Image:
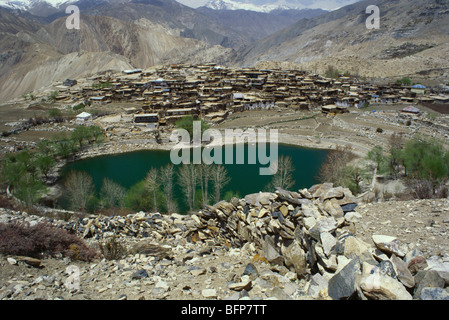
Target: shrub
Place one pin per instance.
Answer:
(186, 123)
(332, 72)
(52, 96)
(426, 159)
(427, 189)
(138, 197)
(55, 113)
(6, 203)
(406, 81)
(112, 249)
(79, 107)
(42, 240)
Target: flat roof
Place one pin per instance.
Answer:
(146, 115)
(180, 110)
(84, 115)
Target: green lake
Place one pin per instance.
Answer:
(127, 169)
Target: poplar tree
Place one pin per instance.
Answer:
(220, 179)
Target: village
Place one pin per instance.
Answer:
(163, 95)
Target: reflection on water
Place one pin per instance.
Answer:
(128, 169)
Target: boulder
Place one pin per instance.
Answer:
(350, 207)
(378, 286)
(30, 261)
(310, 210)
(139, 274)
(318, 285)
(328, 242)
(343, 284)
(152, 249)
(284, 210)
(427, 279)
(333, 193)
(390, 245)
(429, 293)
(251, 271)
(439, 265)
(403, 273)
(320, 189)
(328, 224)
(354, 247)
(270, 253)
(295, 257)
(333, 208)
(353, 217)
(260, 199)
(417, 264)
(387, 268)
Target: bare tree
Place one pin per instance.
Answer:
(204, 178)
(187, 179)
(167, 176)
(284, 176)
(220, 179)
(80, 189)
(153, 183)
(333, 168)
(112, 195)
(396, 145)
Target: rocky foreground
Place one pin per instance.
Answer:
(283, 245)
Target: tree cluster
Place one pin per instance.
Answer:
(26, 172)
(199, 184)
(337, 169)
(422, 162)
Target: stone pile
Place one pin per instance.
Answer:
(141, 225)
(306, 240)
(312, 233)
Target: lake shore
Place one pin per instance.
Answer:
(131, 145)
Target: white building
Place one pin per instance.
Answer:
(83, 118)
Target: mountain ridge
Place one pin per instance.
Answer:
(340, 38)
(270, 5)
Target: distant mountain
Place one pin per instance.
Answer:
(28, 4)
(253, 25)
(173, 17)
(236, 5)
(270, 5)
(40, 8)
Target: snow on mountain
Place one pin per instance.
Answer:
(270, 5)
(27, 4)
(235, 5)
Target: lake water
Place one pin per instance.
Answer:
(127, 169)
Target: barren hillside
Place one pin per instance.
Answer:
(412, 39)
(33, 56)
